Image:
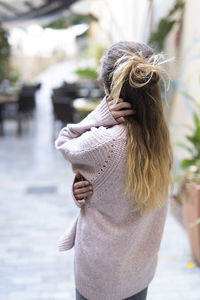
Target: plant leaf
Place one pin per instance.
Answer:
(158, 37)
(186, 163)
(87, 73)
(196, 120)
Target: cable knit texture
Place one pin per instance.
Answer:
(116, 250)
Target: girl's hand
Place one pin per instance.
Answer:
(118, 114)
(81, 188)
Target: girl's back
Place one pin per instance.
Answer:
(118, 232)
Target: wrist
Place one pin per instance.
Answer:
(107, 118)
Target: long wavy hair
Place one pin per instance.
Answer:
(132, 71)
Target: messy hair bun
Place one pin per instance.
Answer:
(130, 62)
(138, 70)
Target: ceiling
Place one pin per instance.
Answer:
(29, 10)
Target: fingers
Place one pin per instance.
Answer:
(82, 190)
(113, 101)
(120, 110)
(123, 113)
(81, 184)
(83, 195)
(81, 201)
(121, 105)
(109, 98)
(120, 120)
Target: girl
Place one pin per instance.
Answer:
(122, 151)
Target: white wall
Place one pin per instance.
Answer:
(126, 19)
(122, 20)
(189, 72)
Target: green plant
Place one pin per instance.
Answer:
(87, 73)
(4, 53)
(194, 140)
(191, 167)
(165, 25)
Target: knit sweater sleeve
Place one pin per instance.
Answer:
(78, 141)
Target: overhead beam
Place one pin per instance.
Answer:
(48, 9)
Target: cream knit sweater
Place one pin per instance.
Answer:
(116, 250)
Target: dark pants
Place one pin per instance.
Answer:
(139, 296)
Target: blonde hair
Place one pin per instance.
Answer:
(131, 71)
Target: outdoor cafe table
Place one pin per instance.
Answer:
(5, 99)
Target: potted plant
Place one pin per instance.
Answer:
(191, 208)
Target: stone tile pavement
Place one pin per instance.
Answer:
(36, 207)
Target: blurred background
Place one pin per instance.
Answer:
(50, 54)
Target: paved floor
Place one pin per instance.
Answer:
(35, 209)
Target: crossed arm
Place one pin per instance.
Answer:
(81, 187)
